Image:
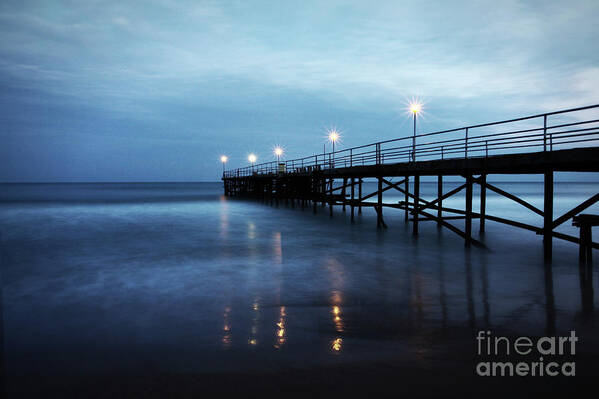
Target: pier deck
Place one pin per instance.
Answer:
(570, 144)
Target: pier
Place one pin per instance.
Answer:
(543, 144)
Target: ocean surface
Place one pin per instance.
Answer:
(140, 278)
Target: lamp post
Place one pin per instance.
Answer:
(333, 137)
(224, 160)
(252, 158)
(415, 108)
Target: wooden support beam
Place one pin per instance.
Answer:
(490, 217)
(330, 199)
(360, 196)
(483, 202)
(427, 204)
(379, 209)
(575, 240)
(448, 218)
(451, 227)
(314, 192)
(585, 250)
(323, 190)
(591, 201)
(468, 225)
(512, 223)
(406, 195)
(372, 204)
(585, 223)
(440, 197)
(389, 187)
(352, 198)
(444, 196)
(341, 187)
(585, 271)
(379, 212)
(343, 190)
(369, 196)
(396, 186)
(548, 214)
(416, 199)
(508, 195)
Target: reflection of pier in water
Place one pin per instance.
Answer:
(415, 315)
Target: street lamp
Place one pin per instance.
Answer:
(224, 160)
(415, 108)
(333, 137)
(252, 158)
(278, 152)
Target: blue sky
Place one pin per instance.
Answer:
(159, 89)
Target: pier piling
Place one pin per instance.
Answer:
(483, 202)
(440, 202)
(468, 226)
(416, 198)
(548, 215)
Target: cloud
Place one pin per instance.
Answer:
(389, 51)
(313, 62)
(122, 21)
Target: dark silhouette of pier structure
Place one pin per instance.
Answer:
(561, 141)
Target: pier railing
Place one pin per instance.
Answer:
(576, 127)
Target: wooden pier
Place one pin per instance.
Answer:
(528, 145)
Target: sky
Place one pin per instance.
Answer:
(158, 90)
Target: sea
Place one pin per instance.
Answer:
(115, 280)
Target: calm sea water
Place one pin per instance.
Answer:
(144, 278)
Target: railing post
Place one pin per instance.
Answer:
(378, 153)
(544, 132)
(466, 145)
(486, 148)
(414, 141)
(350, 157)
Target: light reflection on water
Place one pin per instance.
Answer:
(227, 334)
(253, 340)
(280, 331)
(172, 284)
